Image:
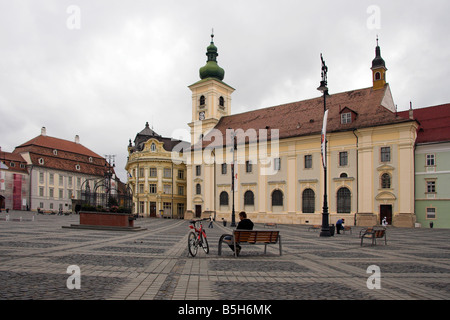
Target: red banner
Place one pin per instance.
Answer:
(17, 192)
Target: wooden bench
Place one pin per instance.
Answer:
(251, 237)
(374, 234)
(368, 229)
(315, 227)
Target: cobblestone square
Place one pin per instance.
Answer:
(154, 264)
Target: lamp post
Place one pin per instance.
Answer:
(233, 215)
(325, 232)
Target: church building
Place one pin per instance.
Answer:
(277, 174)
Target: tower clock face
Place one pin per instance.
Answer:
(201, 115)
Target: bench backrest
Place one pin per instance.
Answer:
(379, 233)
(254, 236)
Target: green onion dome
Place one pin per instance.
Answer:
(212, 69)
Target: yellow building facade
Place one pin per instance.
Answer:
(278, 173)
(158, 183)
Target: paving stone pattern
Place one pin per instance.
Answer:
(154, 264)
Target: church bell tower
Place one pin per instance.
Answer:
(211, 97)
(378, 70)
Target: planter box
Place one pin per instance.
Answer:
(109, 219)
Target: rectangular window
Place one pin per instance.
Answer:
(277, 164)
(180, 190)
(430, 160)
(198, 170)
(180, 209)
(152, 188)
(248, 166)
(346, 118)
(167, 189)
(431, 213)
(181, 174)
(153, 172)
(41, 191)
(41, 177)
(431, 186)
(61, 193)
(167, 173)
(51, 193)
(52, 178)
(224, 168)
(141, 172)
(308, 161)
(141, 188)
(385, 154)
(61, 180)
(167, 206)
(343, 158)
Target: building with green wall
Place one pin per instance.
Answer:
(432, 165)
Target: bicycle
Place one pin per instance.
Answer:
(197, 238)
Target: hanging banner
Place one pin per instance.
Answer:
(324, 139)
(2, 180)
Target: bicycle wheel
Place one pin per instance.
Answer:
(205, 244)
(192, 244)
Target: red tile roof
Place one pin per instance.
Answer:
(305, 117)
(69, 156)
(59, 144)
(434, 123)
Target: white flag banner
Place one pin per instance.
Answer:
(324, 139)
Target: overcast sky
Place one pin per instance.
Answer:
(101, 69)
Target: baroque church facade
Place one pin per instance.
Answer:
(267, 162)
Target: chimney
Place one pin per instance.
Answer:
(43, 131)
(411, 113)
(77, 139)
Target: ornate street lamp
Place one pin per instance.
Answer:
(325, 232)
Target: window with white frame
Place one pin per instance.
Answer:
(346, 118)
(431, 186)
(431, 213)
(431, 161)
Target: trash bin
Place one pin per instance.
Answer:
(431, 224)
(332, 229)
(224, 222)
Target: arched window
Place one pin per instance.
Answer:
(223, 198)
(343, 200)
(221, 102)
(202, 100)
(277, 198)
(385, 181)
(198, 189)
(153, 147)
(308, 201)
(249, 198)
(343, 175)
(377, 75)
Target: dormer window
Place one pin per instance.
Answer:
(77, 167)
(41, 161)
(55, 152)
(346, 117)
(153, 147)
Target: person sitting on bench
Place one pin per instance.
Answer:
(244, 224)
